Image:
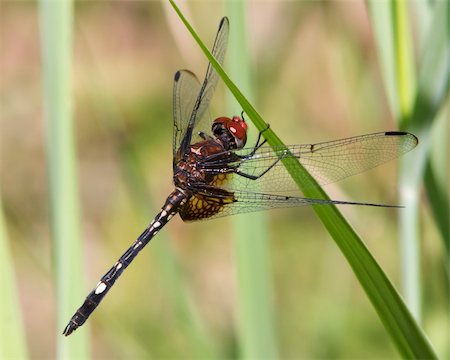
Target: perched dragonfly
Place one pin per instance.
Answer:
(215, 175)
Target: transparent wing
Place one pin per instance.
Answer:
(186, 88)
(196, 122)
(327, 162)
(201, 207)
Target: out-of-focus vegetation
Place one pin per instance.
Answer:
(317, 78)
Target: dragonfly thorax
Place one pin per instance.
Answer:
(187, 170)
(231, 133)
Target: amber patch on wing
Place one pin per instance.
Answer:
(201, 206)
(220, 180)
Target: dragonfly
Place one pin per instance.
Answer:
(216, 175)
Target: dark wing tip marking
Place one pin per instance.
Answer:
(186, 72)
(403, 133)
(395, 133)
(224, 20)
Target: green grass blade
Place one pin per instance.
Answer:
(390, 22)
(56, 44)
(410, 176)
(12, 336)
(433, 91)
(406, 334)
(251, 247)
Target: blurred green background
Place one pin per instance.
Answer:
(316, 77)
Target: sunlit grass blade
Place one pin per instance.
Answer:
(404, 59)
(410, 177)
(390, 22)
(12, 336)
(392, 37)
(406, 334)
(251, 248)
(56, 45)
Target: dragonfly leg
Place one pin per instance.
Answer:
(258, 145)
(236, 170)
(204, 136)
(256, 177)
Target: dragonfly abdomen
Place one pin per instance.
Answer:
(172, 205)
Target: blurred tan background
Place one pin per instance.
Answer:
(316, 78)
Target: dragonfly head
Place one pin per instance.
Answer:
(232, 133)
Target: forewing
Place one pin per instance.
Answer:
(186, 88)
(327, 162)
(197, 118)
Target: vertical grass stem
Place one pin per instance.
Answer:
(56, 17)
(255, 314)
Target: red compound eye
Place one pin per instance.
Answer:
(238, 128)
(235, 127)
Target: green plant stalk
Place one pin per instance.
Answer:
(393, 52)
(12, 335)
(251, 248)
(410, 176)
(404, 331)
(56, 43)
